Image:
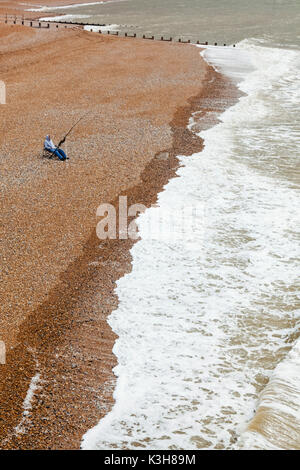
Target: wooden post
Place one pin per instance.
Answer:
(125, 35)
(179, 40)
(30, 24)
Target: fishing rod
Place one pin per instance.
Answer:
(74, 125)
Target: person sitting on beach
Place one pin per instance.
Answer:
(50, 147)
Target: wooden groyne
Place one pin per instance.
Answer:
(36, 23)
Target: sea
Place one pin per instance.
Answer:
(208, 320)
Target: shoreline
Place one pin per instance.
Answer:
(65, 340)
(59, 378)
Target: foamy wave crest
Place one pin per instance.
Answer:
(276, 424)
(63, 17)
(109, 27)
(64, 7)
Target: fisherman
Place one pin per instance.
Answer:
(50, 147)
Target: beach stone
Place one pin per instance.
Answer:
(163, 156)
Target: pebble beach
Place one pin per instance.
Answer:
(186, 335)
(58, 278)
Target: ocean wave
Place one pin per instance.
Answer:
(276, 424)
(64, 17)
(109, 27)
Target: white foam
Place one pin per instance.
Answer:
(27, 404)
(33, 386)
(95, 29)
(233, 62)
(64, 7)
(63, 17)
(202, 319)
(280, 429)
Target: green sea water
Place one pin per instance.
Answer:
(222, 21)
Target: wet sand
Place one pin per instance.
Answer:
(58, 278)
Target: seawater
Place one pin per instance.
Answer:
(208, 349)
(220, 21)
